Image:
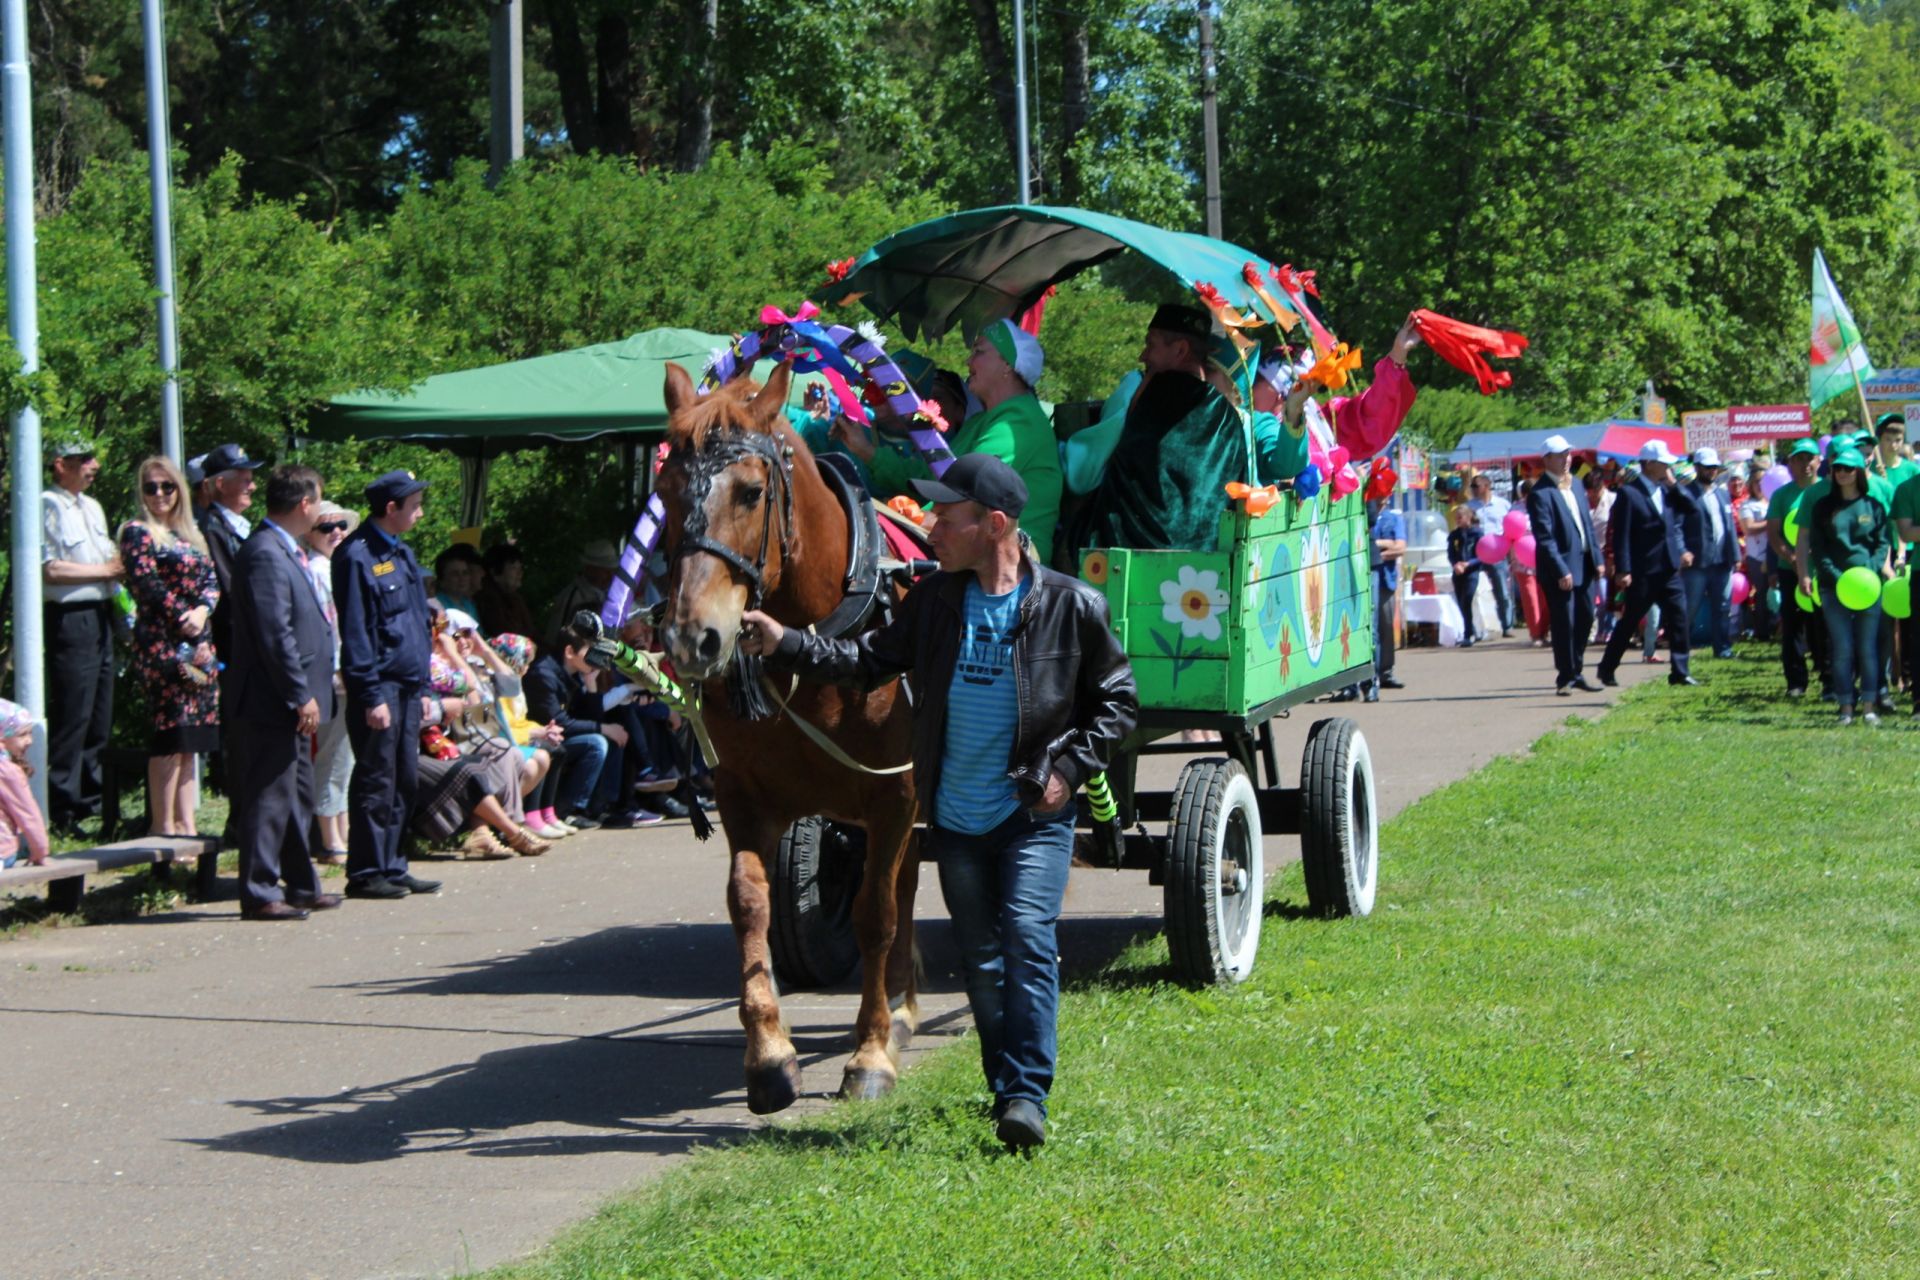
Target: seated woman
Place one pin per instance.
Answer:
(452, 793)
(1005, 363)
(540, 786)
(471, 727)
(1183, 442)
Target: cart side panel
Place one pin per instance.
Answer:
(1282, 602)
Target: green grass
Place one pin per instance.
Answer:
(1638, 1003)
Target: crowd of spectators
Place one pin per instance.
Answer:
(520, 742)
(1761, 541)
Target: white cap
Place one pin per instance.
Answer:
(1277, 374)
(1656, 451)
(1706, 457)
(459, 620)
(1555, 444)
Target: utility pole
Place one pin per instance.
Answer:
(160, 180)
(1020, 157)
(509, 126)
(1209, 118)
(23, 325)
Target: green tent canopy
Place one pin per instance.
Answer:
(612, 388)
(970, 269)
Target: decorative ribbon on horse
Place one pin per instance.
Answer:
(1461, 345)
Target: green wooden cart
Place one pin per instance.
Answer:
(1278, 613)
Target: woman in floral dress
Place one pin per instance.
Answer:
(172, 580)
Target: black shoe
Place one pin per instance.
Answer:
(1584, 685)
(1392, 682)
(414, 884)
(671, 806)
(1022, 1125)
(1371, 695)
(1345, 695)
(582, 821)
(1682, 679)
(1563, 691)
(377, 888)
(1606, 678)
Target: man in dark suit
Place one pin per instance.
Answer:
(1648, 555)
(1713, 540)
(1567, 561)
(278, 690)
(227, 473)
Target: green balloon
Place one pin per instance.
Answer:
(1790, 527)
(1897, 597)
(1802, 599)
(1858, 588)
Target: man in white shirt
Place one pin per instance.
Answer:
(80, 568)
(1490, 516)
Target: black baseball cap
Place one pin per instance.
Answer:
(228, 457)
(392, 487)
(981, 478)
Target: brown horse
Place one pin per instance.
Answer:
(751, 523)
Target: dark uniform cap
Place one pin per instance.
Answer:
(228, 457)
(981, 478)
(1190, 322)
(392, 487)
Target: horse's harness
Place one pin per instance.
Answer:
(864, 590)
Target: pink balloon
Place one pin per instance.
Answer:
(1525, 550)
(1773, 477)
(1739, 587)
(1516, 525)
(1345, 480)
(1492, 548)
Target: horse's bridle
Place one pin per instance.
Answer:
(720, 450)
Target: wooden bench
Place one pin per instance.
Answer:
(65, 874)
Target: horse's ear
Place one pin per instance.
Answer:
(773, 396)
(679, 390)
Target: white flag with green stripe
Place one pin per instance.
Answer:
(1837, 356)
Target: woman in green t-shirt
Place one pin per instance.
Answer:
(1850, 530)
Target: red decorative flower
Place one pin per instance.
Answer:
(1209, 294)
(838, 271)
(1295, 281)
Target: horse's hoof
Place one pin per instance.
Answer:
(901, 1033)
(866, 1084)
(774, 1087)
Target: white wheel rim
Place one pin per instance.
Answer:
(1239, 836)
(1363, 828)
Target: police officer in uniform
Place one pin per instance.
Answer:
(385, 627)
(79, 567)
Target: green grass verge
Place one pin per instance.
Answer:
(1639, 1003)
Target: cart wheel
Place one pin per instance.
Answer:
(1338, 829)
(815, 873)
(1215, 873)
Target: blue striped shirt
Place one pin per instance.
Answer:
(983, 709)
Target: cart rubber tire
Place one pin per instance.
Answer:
(1213, 929)
(815, 873)
(1339, 822)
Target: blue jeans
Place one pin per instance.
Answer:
(1711, 588)
(582, 759)
(1854, 637)
(1003, 889)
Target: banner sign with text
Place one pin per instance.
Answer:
(1752, 422)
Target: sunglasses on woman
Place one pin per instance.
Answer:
(154, 488)
(331, 526)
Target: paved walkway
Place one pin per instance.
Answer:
(425, 1087)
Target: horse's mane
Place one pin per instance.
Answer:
(728, 408)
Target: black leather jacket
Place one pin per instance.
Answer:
(1076, 691)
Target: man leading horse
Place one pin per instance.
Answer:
(1022, 694)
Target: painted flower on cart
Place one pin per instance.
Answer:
(1195, 601)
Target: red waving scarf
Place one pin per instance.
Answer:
(1461, 345)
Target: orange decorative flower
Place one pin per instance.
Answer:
(907, 508)
(1257, 501)
(1331, 370)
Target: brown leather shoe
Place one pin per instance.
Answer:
(318, 902)
(527, 844)
(273, 911)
